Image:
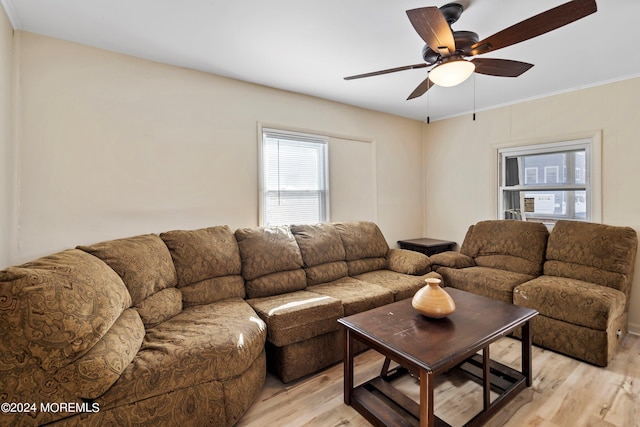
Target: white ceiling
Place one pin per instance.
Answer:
(309, 46)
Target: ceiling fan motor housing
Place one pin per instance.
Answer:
(451, 12)
(463, 40)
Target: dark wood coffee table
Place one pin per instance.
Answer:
(429, 347)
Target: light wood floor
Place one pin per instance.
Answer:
(565, 392)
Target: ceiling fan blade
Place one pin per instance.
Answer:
(390, 70)
(421, 89)
(431, 25)
(536, 25)
(500, 67)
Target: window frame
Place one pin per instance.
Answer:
(593, 148)
(292, 135)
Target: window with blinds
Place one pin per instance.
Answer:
(294, 178)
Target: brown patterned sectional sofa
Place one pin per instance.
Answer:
(578, 277)
(178, 328)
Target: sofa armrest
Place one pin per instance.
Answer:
(451, 259)
(408, 262)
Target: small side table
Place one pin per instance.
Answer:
(427, 246)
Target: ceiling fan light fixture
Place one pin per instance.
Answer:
(452, 72)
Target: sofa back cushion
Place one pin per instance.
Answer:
(56, 308)
(322, 252)
(66, 332)
(365, 247)
(596, 253)
(271, 261)
(145, 266)
(207, 263)
(510, 245)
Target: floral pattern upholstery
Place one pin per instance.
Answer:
(598, 253)
(297, 316)
(300, 287)
(490, 282)
(143, 263)
(175, 351)
(322, 252)
(356, 295)
(495, 257)
(207, 264)
(517, 246)
(573, 301)
(578, 279)
(586, 283)
(66, 330)
(408, 262)
(365, 247)
(401, 285)
(271, 261)
(156, 328)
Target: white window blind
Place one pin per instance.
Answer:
(294, 178)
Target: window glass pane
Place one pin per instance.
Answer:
(563, 204)
(294, 179)
(545, 182)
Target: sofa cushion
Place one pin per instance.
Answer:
(365, 247)
(362, 239)
(365, 265)
(297, 316)
(271, 261)
(490, 282)
(356, 296)
(266, 250)
(276, 283)
(143, 262)
(96, 371)
(596, 253)
(319, 243)
(517, 246)
(160, 306)
(328, 272)
(322, 252)
(213, 289)
(402, 285)
(207, 264)
(570, 300)
(183, 351)
(56, 308)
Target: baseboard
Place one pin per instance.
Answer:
(634, 328)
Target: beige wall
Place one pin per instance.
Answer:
(6, 116)
(460, 158)
(113, 146)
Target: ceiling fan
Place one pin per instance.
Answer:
(446, 49)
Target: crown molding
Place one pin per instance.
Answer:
(11, 14)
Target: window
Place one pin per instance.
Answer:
(294, 178)
(566, 195)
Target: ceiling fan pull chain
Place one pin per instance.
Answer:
(428, 108)
(474, 97)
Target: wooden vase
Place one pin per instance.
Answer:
(433, 301)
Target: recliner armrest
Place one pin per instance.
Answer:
(408, 262)
(451, 259)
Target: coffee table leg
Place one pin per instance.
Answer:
(427, 418)
(527, 367)
(486, 377)
(348, 367)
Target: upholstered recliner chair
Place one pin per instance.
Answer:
(583, 294)
(495, 257)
